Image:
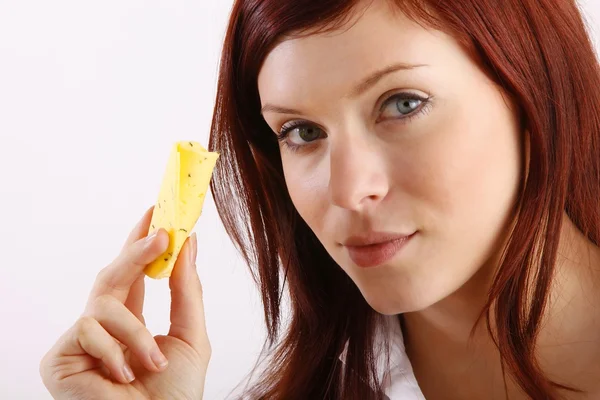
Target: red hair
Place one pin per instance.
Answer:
(539, 52)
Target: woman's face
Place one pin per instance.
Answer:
(391, 128)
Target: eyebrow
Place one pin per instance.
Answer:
(362, 87)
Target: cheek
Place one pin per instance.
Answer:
(464, 178)
(307, 184)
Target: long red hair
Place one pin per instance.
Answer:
(539, 52)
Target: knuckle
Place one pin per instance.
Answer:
(106, 278)
(53, 372)
(116, 353)
(84, 326)
(143, 338)
(105, 303)
(103, 276)
(113, 355)
(44, 370)
(140, 332)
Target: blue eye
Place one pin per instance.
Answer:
(299, 133)
(401, 105)
(304, 133)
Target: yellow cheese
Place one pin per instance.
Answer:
(180, 200)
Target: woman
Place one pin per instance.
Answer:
(422, 176)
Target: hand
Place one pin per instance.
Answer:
(109, 354)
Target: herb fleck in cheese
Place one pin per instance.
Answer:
(180, 200)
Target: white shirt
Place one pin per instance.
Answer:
(397, 377)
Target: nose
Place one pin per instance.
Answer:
(358, 177)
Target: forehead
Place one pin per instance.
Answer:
(374, 39)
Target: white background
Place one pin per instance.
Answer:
(92, 95)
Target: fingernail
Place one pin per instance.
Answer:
(159, 359)
(190, 250)
(128, 373)
(194, 251)
(151, 236)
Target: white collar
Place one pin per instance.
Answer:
(397, 377)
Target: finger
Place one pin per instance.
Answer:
(128, 330)
(87, 336)
(141, 229)
(187, 307)
(135, 299)
(117, 279)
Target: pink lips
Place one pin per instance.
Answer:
(375, 248)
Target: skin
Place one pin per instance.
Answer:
(449, 173)
(89, 360)
(448, 169)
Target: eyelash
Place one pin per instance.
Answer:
(422, 108)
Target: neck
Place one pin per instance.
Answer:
(568, 340)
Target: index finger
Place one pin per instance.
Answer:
(140, 230)
(139, 250)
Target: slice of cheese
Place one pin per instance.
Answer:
(180, 200)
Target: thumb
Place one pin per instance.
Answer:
(187, 306)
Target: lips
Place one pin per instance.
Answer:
(375, 248)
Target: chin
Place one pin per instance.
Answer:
(397, 303)
(387, 305)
